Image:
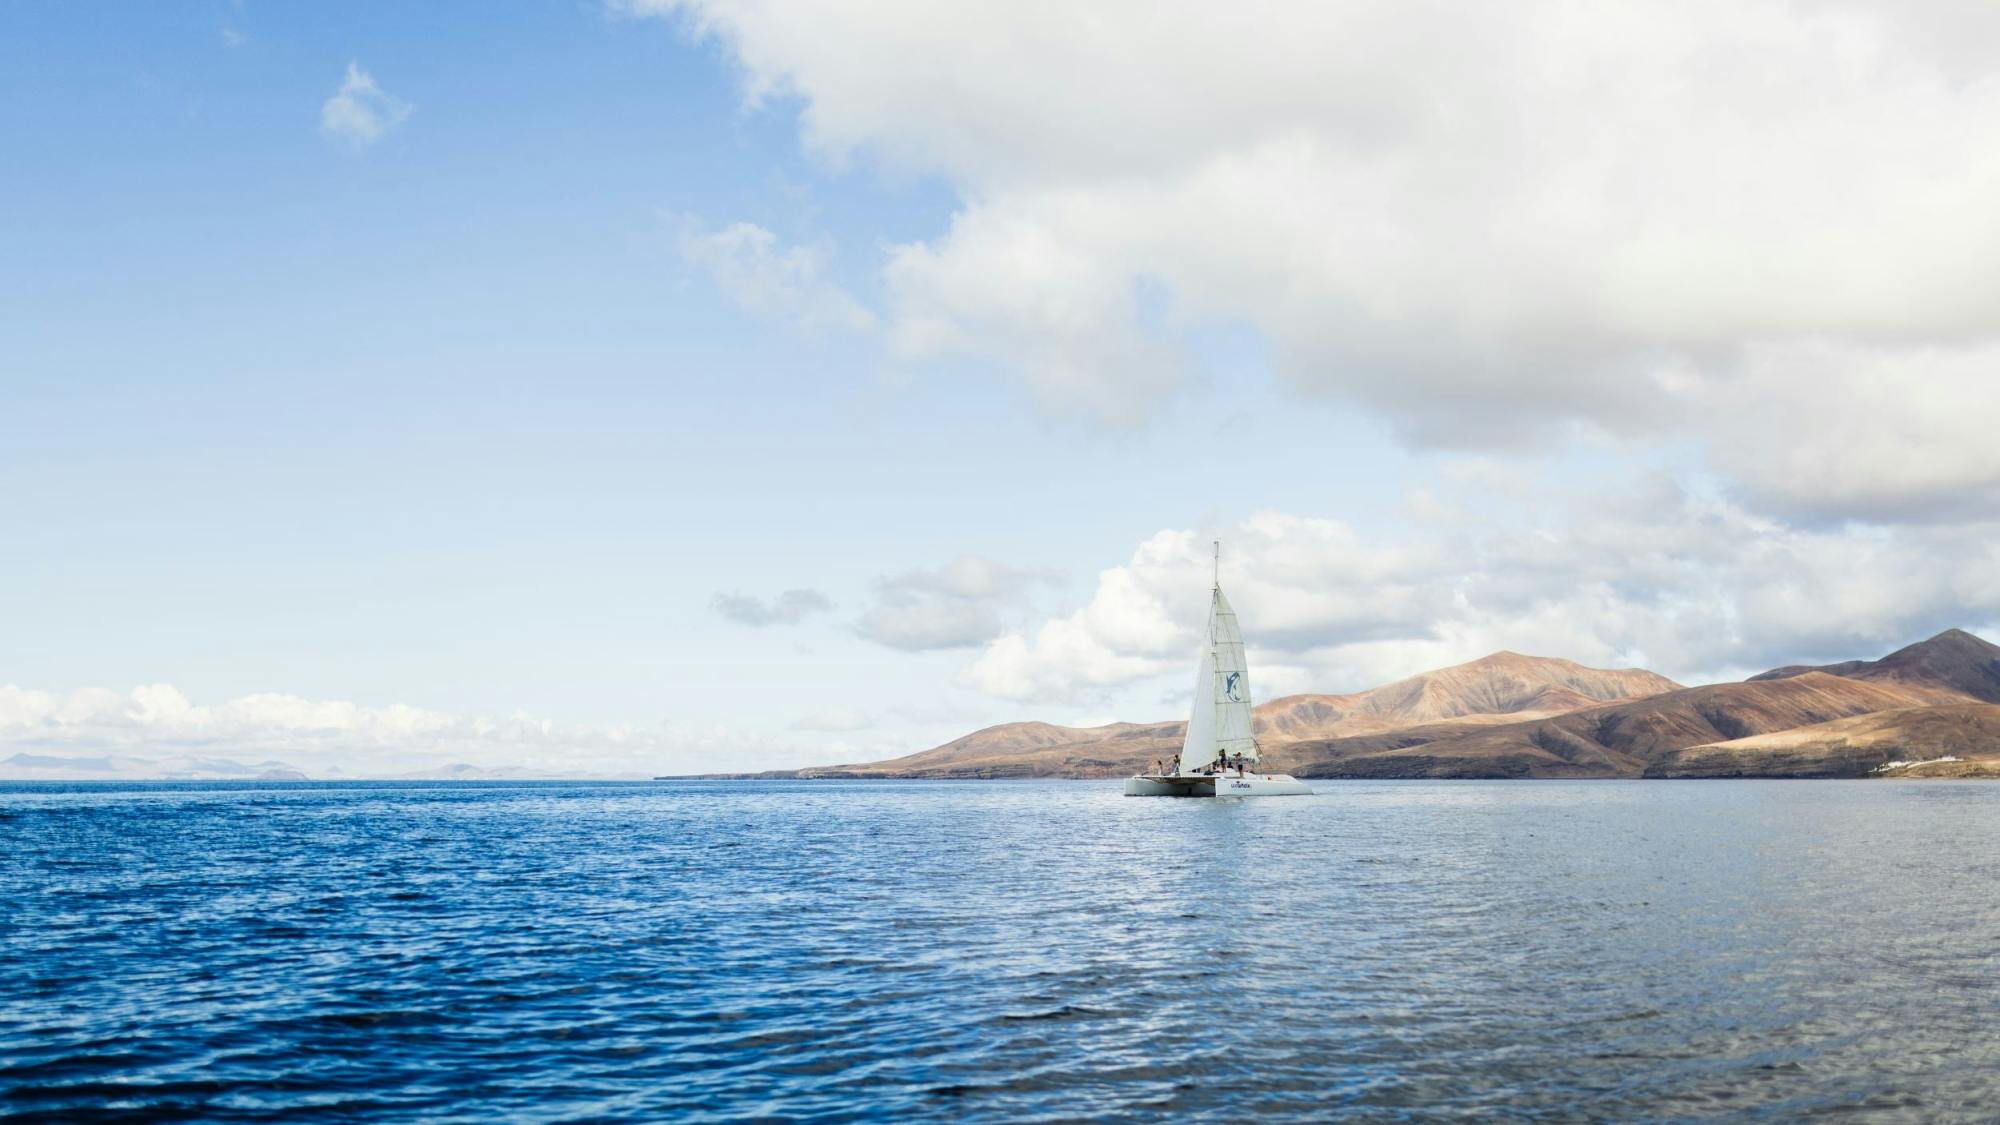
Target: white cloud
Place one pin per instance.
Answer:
(1899, 433)
(932, 623)
(1490, 223)
(788, 608)
(1695, 588)
(361, 113)
(1072, 321)
(839, 720)
(959, 605)
(156, 722)
(748, 263)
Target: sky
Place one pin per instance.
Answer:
(645, 386)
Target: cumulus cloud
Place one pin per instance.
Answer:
(788, 608)
(751, 266)
(156, 729)
(361, 112)
(959, 605)
(1695, 587)
(1493, 224)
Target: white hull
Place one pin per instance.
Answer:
(1224, 785)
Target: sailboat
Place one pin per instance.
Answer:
(1219, 734)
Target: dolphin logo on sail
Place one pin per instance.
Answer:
(1232, 689)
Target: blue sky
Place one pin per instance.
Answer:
(482, 413)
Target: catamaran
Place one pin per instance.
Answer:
(1219, 756)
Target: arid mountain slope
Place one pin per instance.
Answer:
(1861, 746)
(1954, 660)
(1619, 740)
(1503, 687)
(1626, 739)
(1503, 683)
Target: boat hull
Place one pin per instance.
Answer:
(1227, 785)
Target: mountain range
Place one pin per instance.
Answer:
(1501, 688)
(1931, 709)
(117, 767)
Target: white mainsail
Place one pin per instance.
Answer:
(1220, 725)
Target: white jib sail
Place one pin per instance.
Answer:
(1220, 725)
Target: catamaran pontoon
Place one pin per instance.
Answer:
(1219, 756)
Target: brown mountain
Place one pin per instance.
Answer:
(1954, 660)
(1633, 739)
(1508, 715)
(1619, 740)
(1505, 683)
(1502, 688)
(1950, 740)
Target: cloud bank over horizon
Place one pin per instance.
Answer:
(1692, 587)
(155, 728)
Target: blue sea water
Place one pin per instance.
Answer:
(1000, 951)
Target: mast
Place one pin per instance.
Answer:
(1221, 723)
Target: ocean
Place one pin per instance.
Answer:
(987, 951)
